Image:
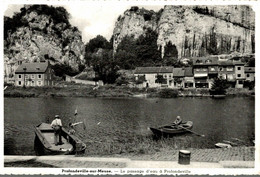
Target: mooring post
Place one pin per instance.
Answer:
(184, 157)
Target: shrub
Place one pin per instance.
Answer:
(168, 93)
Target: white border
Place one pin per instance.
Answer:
(254, 4)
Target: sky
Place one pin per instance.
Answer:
(91, 19)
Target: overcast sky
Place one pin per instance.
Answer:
(91, 19)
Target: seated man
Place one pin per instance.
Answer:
(178, 121)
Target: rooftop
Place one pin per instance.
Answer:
(178, 72)
(147, 70)
(32, 67)
(249, 69)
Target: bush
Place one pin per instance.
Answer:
(168, 93)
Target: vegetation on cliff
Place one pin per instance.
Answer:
(43, 32)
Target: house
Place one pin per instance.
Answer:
(154, 76)
(204, 70)
(34, 74)
(226, 70)
(250, 74)
(189, 78)
(239, 73)
(178, 77)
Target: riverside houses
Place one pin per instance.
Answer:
(239, 74)
(205, 70)
(178, 77)
(154, 76)
(34, 74)
(250, 74)
(188, 78)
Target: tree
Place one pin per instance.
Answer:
(96, 43)
(104, 65)
(219, 87)
(160, 79)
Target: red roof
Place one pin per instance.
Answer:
(32, 68)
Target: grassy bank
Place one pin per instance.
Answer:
(78, 90)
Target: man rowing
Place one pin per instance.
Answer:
(177, 122)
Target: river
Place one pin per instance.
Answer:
(217, 119)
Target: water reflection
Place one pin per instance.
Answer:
(111, 119)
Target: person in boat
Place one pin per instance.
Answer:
(57, 126)
(178, 121)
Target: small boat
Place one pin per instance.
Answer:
(44, 142)
(169, 130)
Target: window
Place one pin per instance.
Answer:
(39, 83)
(39, 76)
(247, 75)
(212, 69)
(239, 68)
(239, 75)
(208, 61)
(229, 68)
(165, 76)
(32, 76)
(19, 83)
(220, 69)
(19, 76)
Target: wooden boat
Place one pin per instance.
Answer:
(44, 142)
(169, 130)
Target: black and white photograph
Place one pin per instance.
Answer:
(119, 87)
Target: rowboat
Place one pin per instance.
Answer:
(169, 130)
(44, 142)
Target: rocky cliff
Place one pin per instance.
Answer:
(41, 36)
(193, 30)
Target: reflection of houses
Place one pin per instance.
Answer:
(188, 78)
(178, 77)
(34, 74)
(154, 76)
(250, 74)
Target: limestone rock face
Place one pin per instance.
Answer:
(134, 22)
(195, 30)
(41, 38)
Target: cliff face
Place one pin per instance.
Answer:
(197, 30)
(134, 22)
(42, 38)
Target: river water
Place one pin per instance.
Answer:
(217, 119)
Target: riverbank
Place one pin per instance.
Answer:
(78, 90)
(235, 157)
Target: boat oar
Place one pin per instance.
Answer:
(191, 131)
